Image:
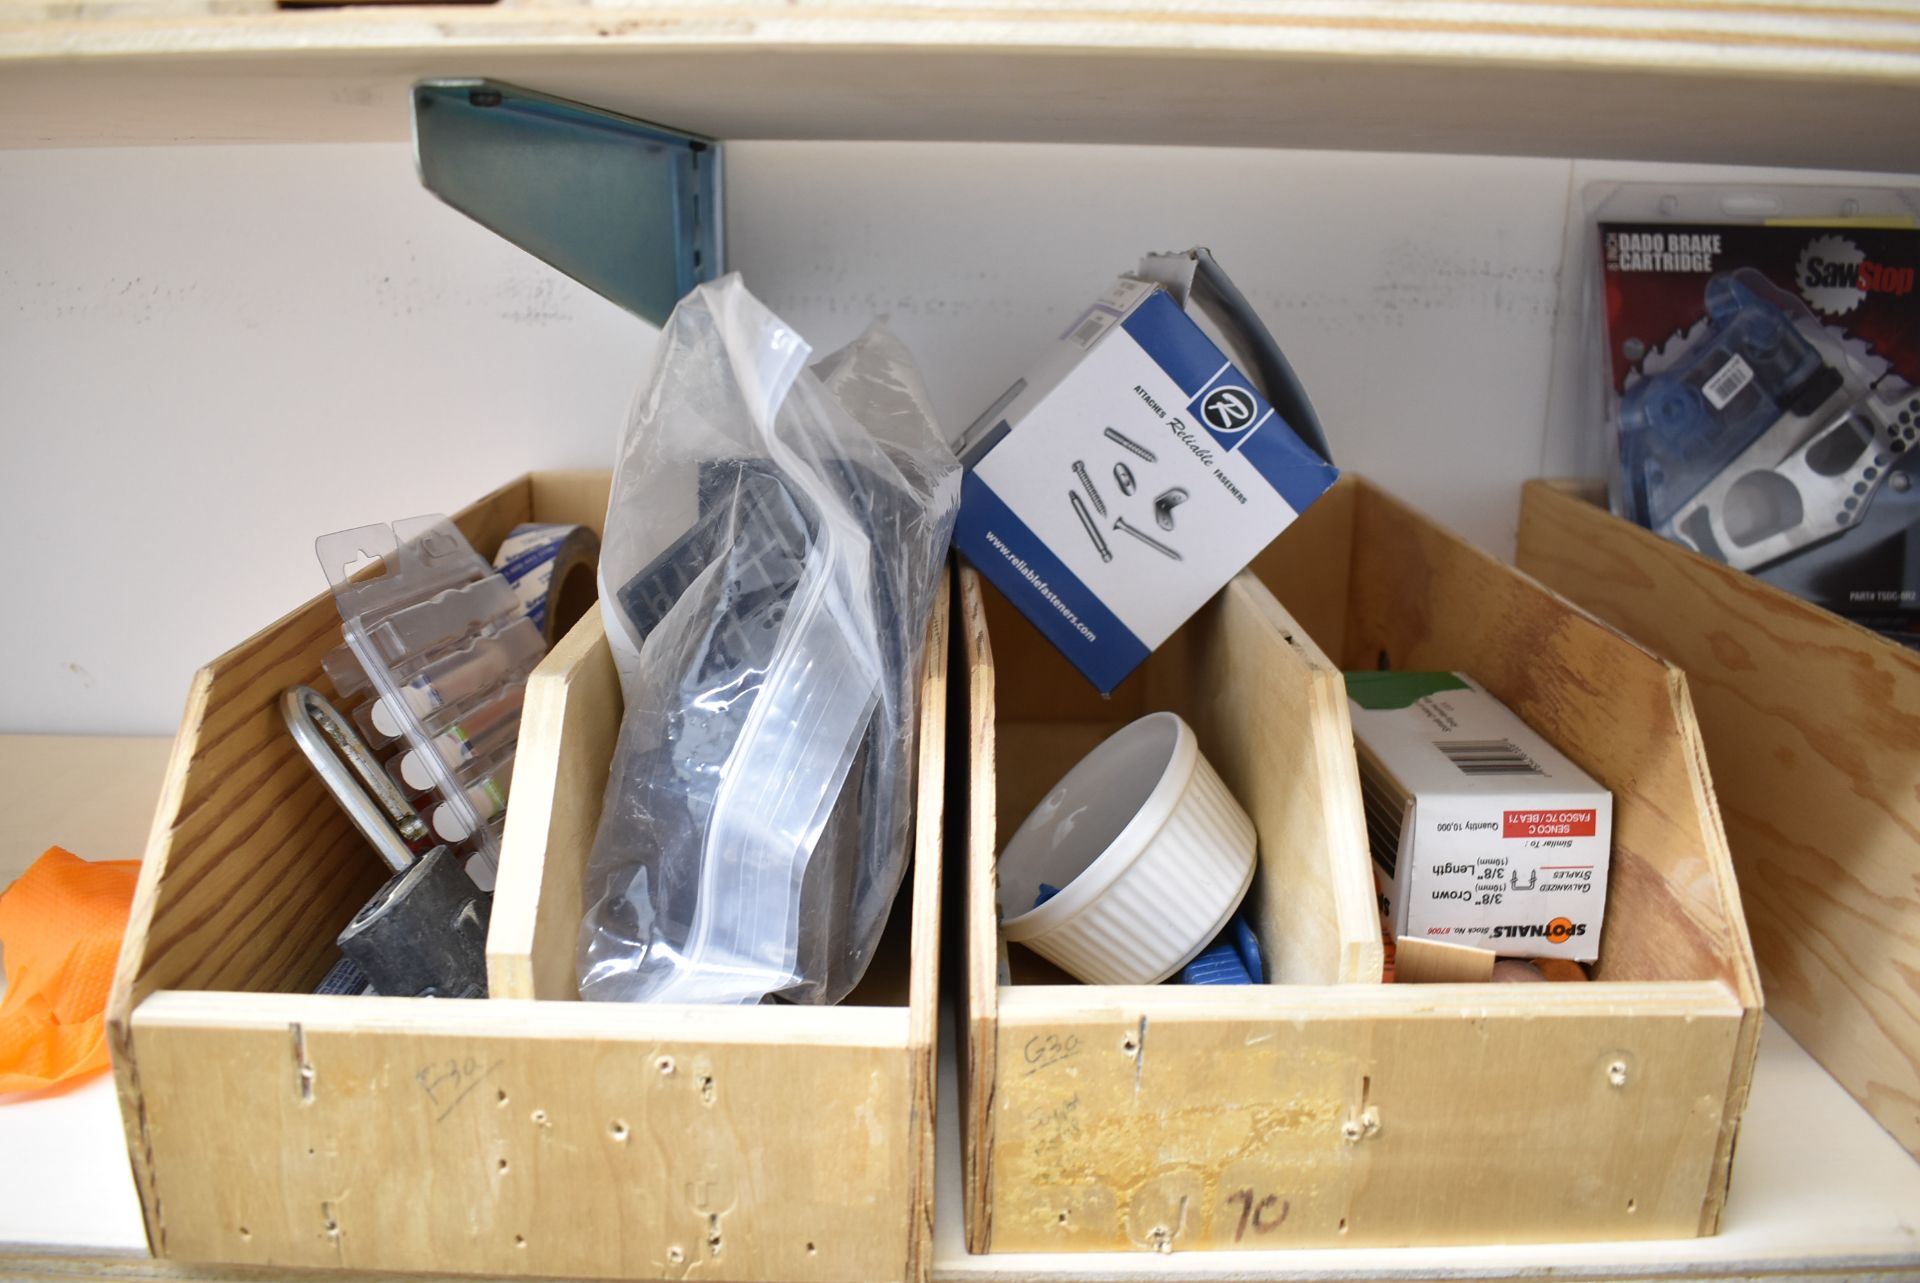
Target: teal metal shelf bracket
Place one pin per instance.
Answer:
(629, 209)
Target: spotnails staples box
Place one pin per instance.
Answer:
(1482, 833)
(1126, 479)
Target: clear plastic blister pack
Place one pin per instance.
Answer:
(773, 543)
(443, 646)
(1753, 350)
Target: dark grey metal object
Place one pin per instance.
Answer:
(1121, 523)
(1093, 531)
(1163, 506)
(424, 934)
(354, 775)
(1126, 442)
(629, 209)
(1123, 477)
(1086, 483)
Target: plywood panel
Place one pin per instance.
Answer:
(1309, 568)
(1425, 599)
(545, 1139)
(925, 885)
(1357, 1115)
(1271, 715)
(1812, 726)
(974, 651)
(568, 728)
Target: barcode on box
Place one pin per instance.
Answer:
(1726, 385)
(1090, 327)
(1487, 757)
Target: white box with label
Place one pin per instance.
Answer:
(1483, 834)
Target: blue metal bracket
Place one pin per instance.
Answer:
(629, 209)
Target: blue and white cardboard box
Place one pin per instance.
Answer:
(1122, 483)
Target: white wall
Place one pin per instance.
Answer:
(210, 355)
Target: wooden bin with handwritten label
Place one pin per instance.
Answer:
(1325, 1108)
(1812, 724)
(530, 1134)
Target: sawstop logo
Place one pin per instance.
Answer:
(1835, 276)
(1559, 931)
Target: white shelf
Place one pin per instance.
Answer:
(1814, 83)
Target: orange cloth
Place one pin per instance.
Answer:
(60, 929)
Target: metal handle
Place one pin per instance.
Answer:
(354, 775)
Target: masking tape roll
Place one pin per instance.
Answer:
(551, 567)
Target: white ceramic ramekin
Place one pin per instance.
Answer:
(1150, 854)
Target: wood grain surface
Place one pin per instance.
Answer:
(272, 1128)
(1167, 1117)
(1812, 726)
(1753, 83)
(538, 1139)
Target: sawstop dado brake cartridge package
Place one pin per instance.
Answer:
(1139, 465)
(1482, 833)
(1757, 354)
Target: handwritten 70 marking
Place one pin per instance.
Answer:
(447, 1084)
(1261, 1215)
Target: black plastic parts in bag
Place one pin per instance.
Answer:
(756, 821)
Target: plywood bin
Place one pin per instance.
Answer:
(1326, 1108)
(1812, 725)
(529, 1134)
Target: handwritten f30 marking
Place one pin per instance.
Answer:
(449, 1082)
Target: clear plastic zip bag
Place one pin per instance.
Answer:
(773, 543)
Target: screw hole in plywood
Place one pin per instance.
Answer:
(246, 1235)
(664, 1064)
(812, 1250)
(1063, 1218)
(618, 1129)
(502, 1100)
(539, 1117)
(1632, 1207)
(519, 1240)
(676, 1254)
(1343, 1225)
(503, 1167)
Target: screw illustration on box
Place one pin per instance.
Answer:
(1206, 471)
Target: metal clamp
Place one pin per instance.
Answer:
(354, 776)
